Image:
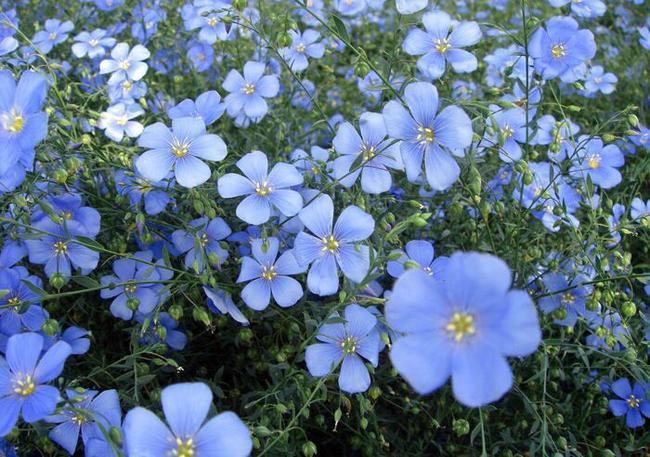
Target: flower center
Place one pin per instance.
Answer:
(249, 89)
(426, 135)
(79, 419)
(567, 298)
(184, 448)
(122, 120)
(130, 288)
(180, 148)
(368, 152)
(67, 215)
(262, 188)
(52, 36)
(558, 50)
(93, 42)
(633, 402)
(14, 122)
(300, 47)
(330, 243)
(213, 21)
(507, 132)
(269, 273)
(442, 45)
(428, 271)
(460, 326)
(204, 240)
(24, 386)
(60, 248)
(125, 64)
(14, 302)
(349, 345)
(126, 85)
(593, 161)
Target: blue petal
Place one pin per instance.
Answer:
(233, 185)
(23, 351)
(224, 435)
(286, 291)
(186, 406)
(323, 278)
(354, 375)
(353, 224)
(618, 407)
(288, 202)
(399, 123)
(318, 216)
(422, 100)
(42, 402)
(322, 358)
(254, 210)
(51, 364)
(191, 171)
(354, 262)
(479, 375)
(66, 435)
(622, 388)
(10, 407)
(146, 434)
(257, 294)
(254, 165)
(424, 360)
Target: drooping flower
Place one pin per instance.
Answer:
(179, 149)
(186, 407)
(303, 45)
(565, 297)
(582, 8)
(599, 162)
(88, 413)
(269, 277)
(561, 49)
(427, 135)
(265, 190)
(632, 402)
(463, 326)
(68, 210)
(506, 132)
(371, 149)
(348, 342)
(19, 308)
(247, 93)
(329, 246)
(137, 188)
(437, 45)
(23, 377)
(201, 242)
(221, 302)
(599, 81)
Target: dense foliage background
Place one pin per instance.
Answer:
(592, 237)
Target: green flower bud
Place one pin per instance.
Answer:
(461, 427)
(50, 327)
(628, 309)
(309, 449)
(133, 303)
(57, 281)
(175, 311)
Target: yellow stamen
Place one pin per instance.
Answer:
(426, 135)
(249, 88)
(461, 325)
(269, 273)
(633, 402)
(60, 248)
(24, 386)
(593, 161)
(184, 448)
(558, 50)
(349, 345)
(330, 244)
(262, 188)
(442, 45)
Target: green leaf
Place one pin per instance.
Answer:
(89, 243)
(86, 282)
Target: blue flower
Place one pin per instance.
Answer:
(350, 342)
(427, 135)
(269, 276)
(137, 188)
(92, 44)
(597, 161)
(560, 49)
(566, 299)
(640, 210)
(599, 81)
(68, 211)
(162, 328)
(208, 17)
(410, 6)
(582, 8)
(506, 131)
(201, 56)
(117, 121)
(303, 45)
(186, 407)
(329, 246)
(373, 153)
(19, 308)
(632, 402)
(125, 63)
(247, 93)
(265, 190)
(58, 250)
(23, 124)
(55, 32)
(180, 149)
(136, 285)
(437, 45)
(23, 377)
(208, 107)
(88, 413)
(202, 242)
(463, 326)
(419, 254)
(220, 302)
